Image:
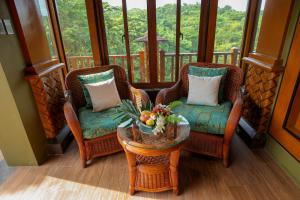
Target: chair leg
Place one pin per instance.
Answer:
(83, 163)
(83, 157)
(226, 160)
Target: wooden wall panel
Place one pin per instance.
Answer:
(48, 92)
(292, 121)
(45, 75)
(273, 27)
(264, 67)
(261, 87)
(277, 130)
(30, 30)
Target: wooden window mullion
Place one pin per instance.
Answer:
(211, 30)
(127, 43)
(152, 42)
(203, 26)
(101, 32)
(177, 53)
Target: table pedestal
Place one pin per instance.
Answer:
(153, 173)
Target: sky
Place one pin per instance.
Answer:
(43, 7)
(240, 5)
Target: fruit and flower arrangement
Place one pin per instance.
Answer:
(152, 118)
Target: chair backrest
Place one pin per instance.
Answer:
(73, 84)
(233, 82)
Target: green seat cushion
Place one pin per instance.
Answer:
(206, 119)
(202, 71)
(97, 124)
(93, 78)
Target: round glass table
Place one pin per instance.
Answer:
(153, 159)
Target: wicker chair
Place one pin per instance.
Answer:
(206, 143)
(107, 144)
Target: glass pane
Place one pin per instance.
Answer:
(114, 26)
(138, 38)
(48, 28)
(166, 39)
(75, 33)
(258, 25)
(189, 27)
(229, 31)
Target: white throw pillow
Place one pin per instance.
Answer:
(203, 90)
(104, 94)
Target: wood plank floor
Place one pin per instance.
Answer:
(252, 175)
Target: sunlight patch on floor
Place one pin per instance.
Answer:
(48, 187)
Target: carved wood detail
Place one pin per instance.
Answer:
(264, 65)
(260, 92)
(48, 93)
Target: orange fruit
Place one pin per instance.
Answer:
(152, 115)
(144, 118)
(150, 122)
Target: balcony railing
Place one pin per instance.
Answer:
(166, 62)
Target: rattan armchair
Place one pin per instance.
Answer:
(104, 145)
(206, 143)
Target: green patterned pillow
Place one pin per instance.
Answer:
(202, 71)
(93, 78)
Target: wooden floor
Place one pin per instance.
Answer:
(252, 175)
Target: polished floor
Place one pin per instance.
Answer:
(252, 175)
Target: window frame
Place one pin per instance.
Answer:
(206, 36)
(153, 56)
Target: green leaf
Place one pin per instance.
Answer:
(173, 119)
(174, 104)
(149, 106)
(126, 111)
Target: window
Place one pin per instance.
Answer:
(138, 40)
(189, 28)
(166, 39)
(47, 26)
(126, 33)
(229, 30)
(258, 24)
(75, 33)
(115, 35)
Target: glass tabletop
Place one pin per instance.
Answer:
(151, 141)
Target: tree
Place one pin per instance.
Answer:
(76, 38)
(74, 27)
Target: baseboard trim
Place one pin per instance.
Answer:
(59, 144)
(249, 134)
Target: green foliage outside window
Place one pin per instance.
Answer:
(75, 31)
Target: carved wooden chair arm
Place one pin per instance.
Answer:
(68, 96)
(168, 95)
(74, 124)
(234, 118)
(138, 96)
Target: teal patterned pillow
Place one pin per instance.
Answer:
(93, 78)
(202, 71)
